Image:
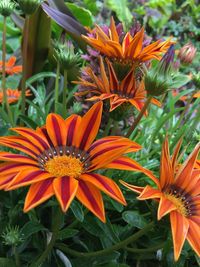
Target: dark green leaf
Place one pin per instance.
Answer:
(83, 15)
(134, 218)
(77, 211)
(31, 228)
(67, 233)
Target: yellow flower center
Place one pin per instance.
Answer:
(64, 166)
(179, 203)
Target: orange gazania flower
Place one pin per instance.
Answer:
(13, 95)
(178, 192)
(61, 159)
(129, 90)
(130, 49)
(10, 66)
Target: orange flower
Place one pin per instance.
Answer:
(10, 66)
(61, 159)
(128, 90)
(178, 192)
(13, 95)
(130, 49)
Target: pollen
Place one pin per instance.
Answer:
(64, 166)
(179, 203)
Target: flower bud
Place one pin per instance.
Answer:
(65, 55)
(6, 7)
(187, 53)
(12, 236)
(29, 6)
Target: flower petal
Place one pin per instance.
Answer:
(56, 128)
(150, 193)
(165, 206)
(89, 126)
(5, 180)
(91, 197)
(6, 156)
(137, 189)
(106, 185)
(65, 190)
(27, 177)
(73, 126)
(193, 236)
(38, 193)
(179, 226)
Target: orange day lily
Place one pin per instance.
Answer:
(10, 66)
(129, 90)
(61, 159)
(178, 193)
(13, 95)
(130, 49)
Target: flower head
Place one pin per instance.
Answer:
(6, 7)
(187, 53)
(29, 6)
(178, 193)
(13, 95)
(61, 158)
(10, 66)
(129, 50)
(129, 90)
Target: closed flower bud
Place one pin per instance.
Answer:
(65, 55)
(6, 7)
(187, 53)
(29, 6)
(12, 236)
(158, 79)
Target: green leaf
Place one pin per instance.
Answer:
(67, 233)
(6, 262)
(77, 211)
(134, 218)
(40, 76)
(28, 121)
(120, 7)
(83, 15)
(31, 228)
(180, 79)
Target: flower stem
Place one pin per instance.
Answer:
(146, 250)
(58, 218)
(24, 56)
(139, 117)
(57, 87)
(17, 260)
(5, 98)
(119, 245)
(64, 110)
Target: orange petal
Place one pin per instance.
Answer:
(166, 172)
(91, 197)
(175, 155)
(6, 156)
(27, 177)
(6, 179)
(135, 46)
(179, 226)
(150, 193)
(113, 31)
(89, 126)
(106, 185)
(193, 236)
(65, 190)
(56, 128)
(165, 206)
(72, 126)
(38, 193)
(137, 189)
(8, 168)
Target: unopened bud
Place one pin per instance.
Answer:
(29, 6)
(6, 7)
(187, 53)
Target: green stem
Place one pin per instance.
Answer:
(55, 231)
(5, 98)
(139, 117)
(24, 56)
(17, 260)
(184, 111)
(57, 87)
(146, 250)
(114, 128)
(119, 245)
(108, 127)
(64, 110)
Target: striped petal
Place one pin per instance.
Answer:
(179, 226)
(56, 128)
(106, 185)
(175, 155)
(166, 172)
(6, 179)
(38, 193)
(6, 156)
(165, 207)
(8, 168)
(91, 197)
(34, 137)
(193, 236)
(27, 177)
(65, 189)
(89, 126)
(73, 126)
(135, 46)
(137, 189)
(150, 193)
